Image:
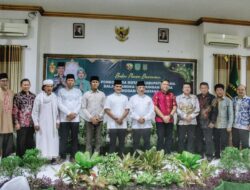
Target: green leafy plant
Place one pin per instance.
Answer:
(245, 157)
(86, 161)
(189, 160)
(33, 161)
(128, 161)
(109, 164)
(150, 160)
(94, 182)
(78, 173)
(189, 177)
(230, 158)
(205, 170)
(111, 168)
(119, 177)
(10, 166)
(168, 178)
(70, 172)
(146, 178)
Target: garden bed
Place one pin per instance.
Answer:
(152, 170)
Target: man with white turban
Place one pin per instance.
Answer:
(46, 121)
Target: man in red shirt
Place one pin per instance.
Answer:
(165, 108)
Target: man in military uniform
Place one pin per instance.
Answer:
(59, 78)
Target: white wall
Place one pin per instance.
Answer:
(30, 56)
(100, 38)
(55, 35)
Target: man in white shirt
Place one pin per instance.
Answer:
(69, 103)
(142, 114)
(117, 109)
(93, 110)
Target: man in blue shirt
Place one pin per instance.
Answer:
(241, 125)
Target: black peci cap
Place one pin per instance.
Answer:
(3, 76)
(94, 78)
(140, 83)
(70, 76)
(117, 82)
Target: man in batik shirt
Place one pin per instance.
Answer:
(206, 121)
(165, 108)
(241, 125)
(187, 110)
(22, 109)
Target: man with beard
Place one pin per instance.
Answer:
(46, 121)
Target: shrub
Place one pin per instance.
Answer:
(10, 166)
(33, 161)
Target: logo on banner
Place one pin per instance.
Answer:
(129, 66)
(145, 67)
(137, 66)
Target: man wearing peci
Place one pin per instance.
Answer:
(117, 109)
(93, 110)
(69, 103)
(59, 78)
(141, 113)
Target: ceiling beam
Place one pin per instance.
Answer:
(123, 17)
(223, 21)
(119, 17)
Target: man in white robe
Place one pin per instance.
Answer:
(46, 121)
(142, 114)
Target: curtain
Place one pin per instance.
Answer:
(11, 63)
(222, 67)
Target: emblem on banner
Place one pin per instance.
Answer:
(129, 66)
(137, 66)
(145, 67)
(52, 67)
(121, 33)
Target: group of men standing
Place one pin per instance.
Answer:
(55, 117)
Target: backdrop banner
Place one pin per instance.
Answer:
(128, 69)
